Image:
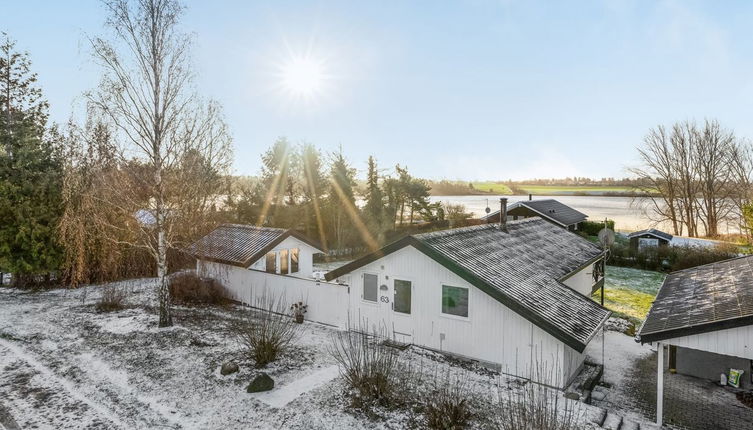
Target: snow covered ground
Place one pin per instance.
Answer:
(65, 365)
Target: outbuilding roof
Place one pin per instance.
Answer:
(550, 209)
(702, 299)
(523, 268)
(240, 244)
(651, 232)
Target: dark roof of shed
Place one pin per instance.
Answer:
(240, 244)
(702, 299)
(521, 268)
(549, 208)
(651, 232)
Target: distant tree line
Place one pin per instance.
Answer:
(301, 188)
(701, 174)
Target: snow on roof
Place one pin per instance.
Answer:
(702, 299)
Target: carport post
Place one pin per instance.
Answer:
(659, 383)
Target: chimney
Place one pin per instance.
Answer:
(503, 213)
(530, 197)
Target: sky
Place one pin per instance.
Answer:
(473, 90)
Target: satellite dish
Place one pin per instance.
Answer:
(487, 209)
(606, 238)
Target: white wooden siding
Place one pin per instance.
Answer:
(737, 342)
(327, 302)
(582, 281)
(492, 332)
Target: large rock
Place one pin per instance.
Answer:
(263, 382)
(229, 368)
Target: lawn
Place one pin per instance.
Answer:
(492, 187)
(630, 292)
(572, 189)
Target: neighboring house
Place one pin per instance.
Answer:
(549, 209)
(705, 315)
(516, 296)
(258, 265)
(651, 238)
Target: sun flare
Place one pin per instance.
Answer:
(303, 77)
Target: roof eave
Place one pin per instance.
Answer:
(726, 324)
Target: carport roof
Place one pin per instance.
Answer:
(702, 299)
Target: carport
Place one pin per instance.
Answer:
(704, 316)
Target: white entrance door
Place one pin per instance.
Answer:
(401, 311)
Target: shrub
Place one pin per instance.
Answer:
(112, 299)
(447, 407)
(370, 369)
(592, 228)
(536, 406)
(670, 258)
(268, 334)
(188, 289)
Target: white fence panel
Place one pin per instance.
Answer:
(327, 303)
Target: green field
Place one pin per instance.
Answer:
(492, 187)
(550, 190)
(630, 292)
(572, 189)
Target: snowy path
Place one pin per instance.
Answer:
(65, 384)
(280, 397)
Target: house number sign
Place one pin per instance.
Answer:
(384, 299)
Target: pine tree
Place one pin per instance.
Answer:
(30, 173)
(342, 201)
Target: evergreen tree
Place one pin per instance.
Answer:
(342, 201)
(30, 172)
(374, 200)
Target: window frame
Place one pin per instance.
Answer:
(295, 268)
(363, 289)
(394, 294)
(441, 301)
(266, 261)
(284, 261)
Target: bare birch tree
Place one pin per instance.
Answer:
(166, 135)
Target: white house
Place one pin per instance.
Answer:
(514, 297)
(257, 264)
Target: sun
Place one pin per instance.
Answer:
(303, 77)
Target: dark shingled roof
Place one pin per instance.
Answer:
(548, 208)
(241, 245)
(651, 232)
(521, 268)
(702, 299)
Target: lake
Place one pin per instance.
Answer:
(628, 213)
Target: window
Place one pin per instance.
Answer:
(294, 260)
(284, 266)
(455, 301)
(370, 287)
(272, 262)
(402, 296)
